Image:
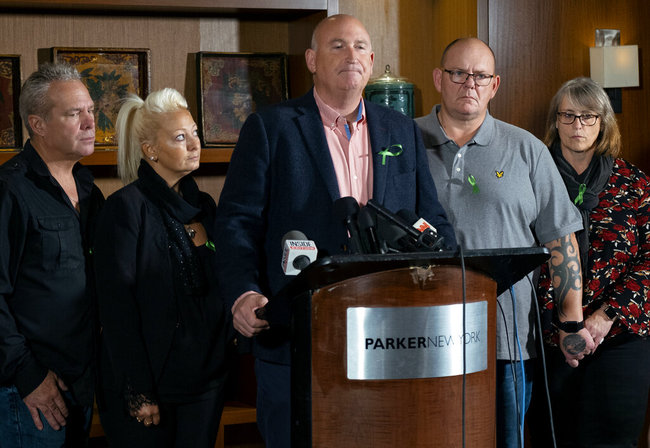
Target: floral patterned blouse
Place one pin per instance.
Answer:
(619, 256)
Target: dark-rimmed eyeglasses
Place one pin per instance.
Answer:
(585, 119)
(460, 77)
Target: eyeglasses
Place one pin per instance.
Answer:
(585, 119)
(459, 77)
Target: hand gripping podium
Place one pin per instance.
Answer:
(386, 354)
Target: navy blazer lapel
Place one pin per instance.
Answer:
(380, 135)
(380, 131)
(311, 126)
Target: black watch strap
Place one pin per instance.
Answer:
(571, 326)
(610, 312)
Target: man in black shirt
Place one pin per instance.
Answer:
(48, 203)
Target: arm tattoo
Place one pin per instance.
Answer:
(574, 344)
(565, 270)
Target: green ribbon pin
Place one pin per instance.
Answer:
(581, 193)
(387, 152)
(472, 181)
(210, 245)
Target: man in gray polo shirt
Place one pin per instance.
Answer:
(500, 188)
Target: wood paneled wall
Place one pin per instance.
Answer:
(172, 40)
(540, 45)
(427, 28)
(410, 35)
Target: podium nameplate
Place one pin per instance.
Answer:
(416, 342)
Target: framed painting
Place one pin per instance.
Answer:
(11, 128)
(109, 74)
(231, 86)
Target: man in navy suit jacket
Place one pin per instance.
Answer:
(282, 177)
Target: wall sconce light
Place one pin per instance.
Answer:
(613, 65)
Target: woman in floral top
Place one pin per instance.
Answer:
(603, 401)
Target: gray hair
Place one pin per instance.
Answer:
(137, 123)
(585, 93)
(33, 96)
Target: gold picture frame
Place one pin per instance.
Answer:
(231, 86)
(109, 74)
(11, 128)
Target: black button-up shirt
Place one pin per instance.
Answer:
(46, 307)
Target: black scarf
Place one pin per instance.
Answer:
(177, 210)
(595, 178)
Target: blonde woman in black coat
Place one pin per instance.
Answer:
(164, 327)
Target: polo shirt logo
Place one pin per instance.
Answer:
(499, 174)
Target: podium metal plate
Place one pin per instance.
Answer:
(416, 342)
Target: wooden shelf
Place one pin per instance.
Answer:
(234, 414)
(6, 155)
(109, 156)
(216, 155)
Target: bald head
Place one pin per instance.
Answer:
(338, 20)
(465, 42)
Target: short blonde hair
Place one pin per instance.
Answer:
(584, 92)
(137, 123)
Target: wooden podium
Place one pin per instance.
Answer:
(386, 354)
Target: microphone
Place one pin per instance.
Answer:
(297, 252)
(367, 226)
(393, 238)
(428, 233)
(418, 223)
(426, 240)
(346, 210)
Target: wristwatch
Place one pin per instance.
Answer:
(571, 326)
(610, 312)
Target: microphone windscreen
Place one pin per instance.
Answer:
(390, 233)
(293, 235)
(297, 252)
(345, 207)
(366, 219)
(301, 262)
